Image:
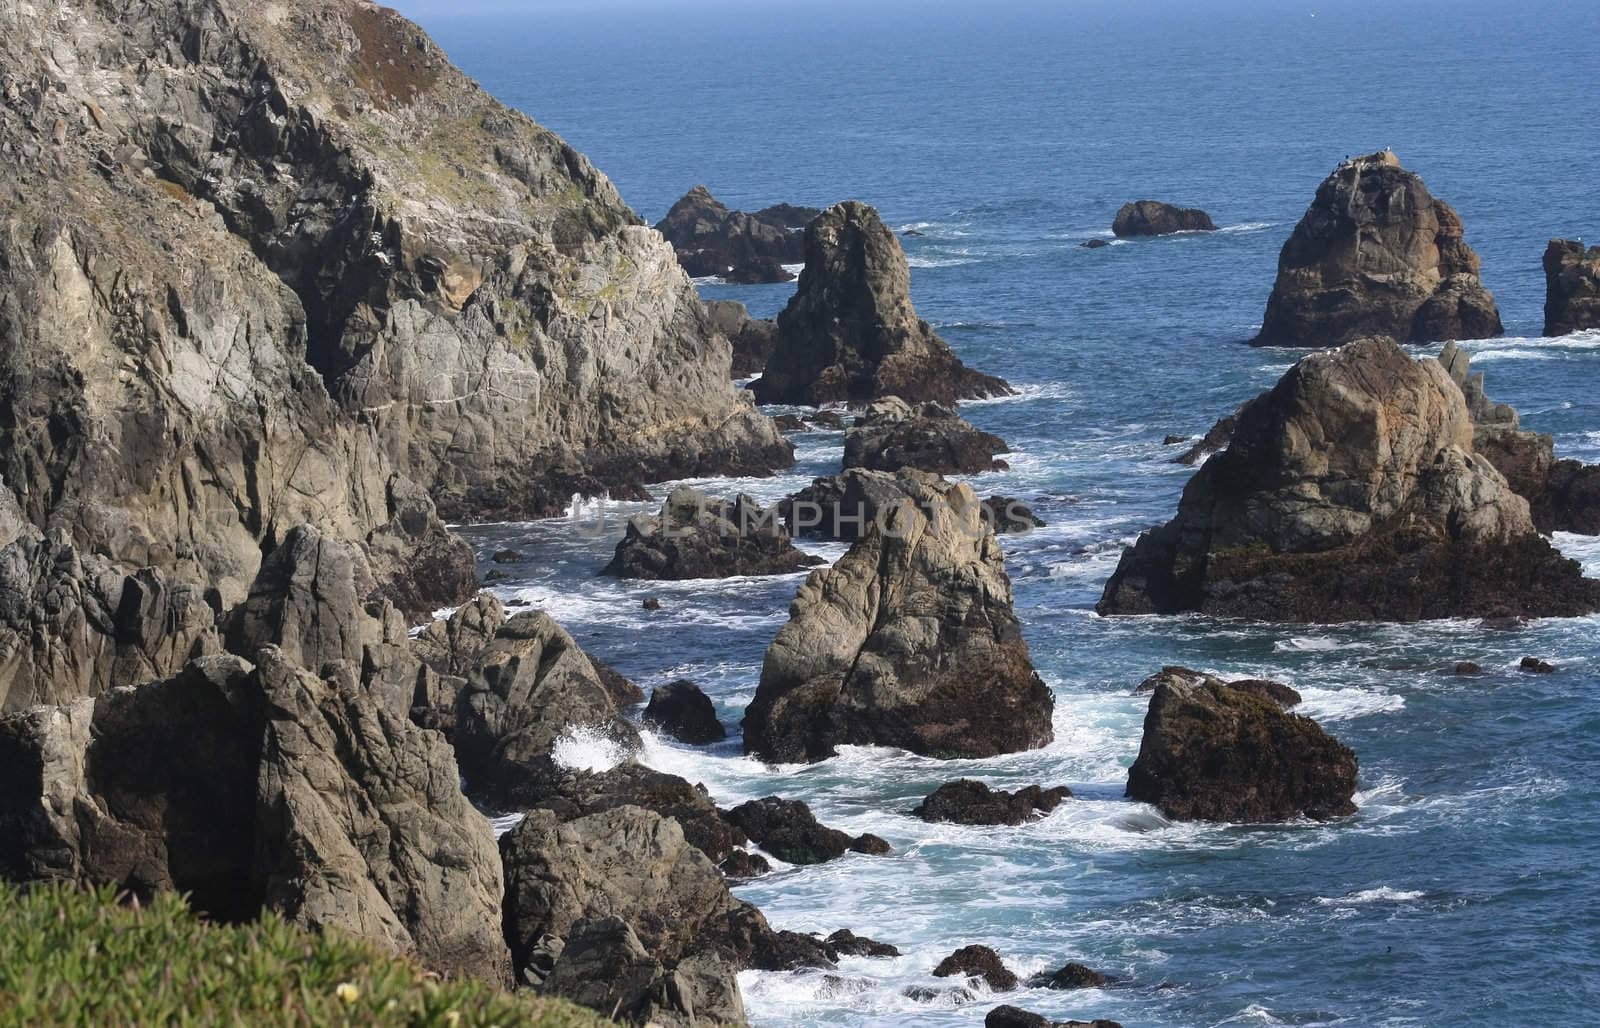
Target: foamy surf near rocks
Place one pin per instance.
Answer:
(1211, 752)
(910, 640)
(851, 334)
(1377, 254)
(1351, 491)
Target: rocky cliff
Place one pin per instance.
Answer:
(1377, 254)
(263, 264)
(1572, 287)
(851, 333)
(1351, 491)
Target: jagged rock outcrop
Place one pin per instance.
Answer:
(581, 793)
(1564, 495)
(909, 640)
(850, 332)
(845, 506)
(969, 802)
(892, 434)
(742, 248)
(697, 537)
(1214, 753)
(1275, 692)
(684, 712)
(1216, 438)
(1572, 287)
(267, 265)
(532, 686)
(1377, 254)
(1351, 491)
(1154, 218)
(978, 962)
(752, 339)
(789, 831)
(636, 866)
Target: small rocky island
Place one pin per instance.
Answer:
(745, 249)
(1572, 287)
(1154, 218)
(1376, 254)
(851, 334)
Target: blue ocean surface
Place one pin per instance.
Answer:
(1464, 892)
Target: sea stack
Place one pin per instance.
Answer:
(1351, 491)
(851, 334)
(1154, 218)
(1377, 255)
(742, 248)
(910, 640)
(1572, 287)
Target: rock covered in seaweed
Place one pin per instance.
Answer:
(909, 640)
(1351, 491)
(1214, 753)
(1376, 254)
(850, 332)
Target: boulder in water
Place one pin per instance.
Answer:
(697, 537)
(684, 712)
(789, 831)
(892, 434)
(1015, 1017)
(973, 803)
(977, 962)
(1154, 218)
(1377, 255)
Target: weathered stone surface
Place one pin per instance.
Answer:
(970, 802)
(909, 640)
(977, 962)
(789, 831)
(1377, 254)
(1154, 218)
(1351, 491)
(1276, 692)
(605, 967)
(361, 826)
(892, 434)
(752, 339)
(684, 712)
(532, 686)
(1572, 287)
(851, 333)
(697, 537)
(581, 793)
(743, 248)
(1214, 753)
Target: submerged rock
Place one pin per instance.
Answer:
(973, 803)
(977, 962)
(1351, 491)
(789, 831)
(892, 434)
(1536, 666)
(1154, 218)
(850, 332)
(684, 712)
(711, 240)
(1214, 753)
(1377, 254)
(909, 640)
(697, 537)
(1572, 287)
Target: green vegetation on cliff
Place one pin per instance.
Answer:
(74, 957)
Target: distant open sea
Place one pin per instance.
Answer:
(1465, 890)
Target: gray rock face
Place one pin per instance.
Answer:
(752, 339)
(695, 536)
(892, 434)
(851, 333)
(1351, 491)
(581, 793)
(605, 967)
(711, 240)
(1572, 287)
(1154, 218)
(909, 641)
(532, 686)
(362, 826)
(1377, 254)
(285, 252)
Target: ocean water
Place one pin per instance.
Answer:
(1464, 890)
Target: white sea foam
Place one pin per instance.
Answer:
(1346, 704)
(1026, 392)
(940, 262)
(1383, 894)
(1248, 226)
(582, 748)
